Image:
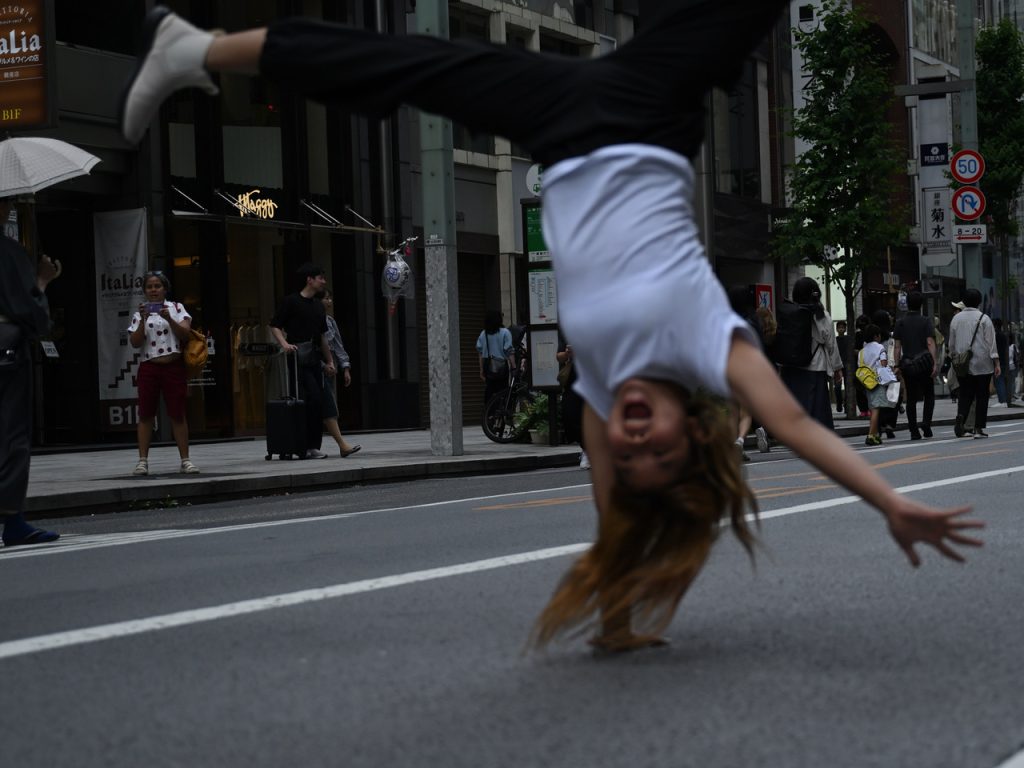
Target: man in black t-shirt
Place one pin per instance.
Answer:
(299, 326)
(915, 336)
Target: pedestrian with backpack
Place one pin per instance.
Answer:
(805, 350)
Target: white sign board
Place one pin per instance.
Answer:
(543, 363)
(543, 298)
(936, 221)
(971, 233)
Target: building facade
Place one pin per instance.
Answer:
(229, 195)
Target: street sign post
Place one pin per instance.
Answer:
(970, 233)
(968, 203)
(967, 166)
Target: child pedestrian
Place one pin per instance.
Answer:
(874, 356)
(650, 325)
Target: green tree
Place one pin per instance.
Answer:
(1000, 54)
(844, 209)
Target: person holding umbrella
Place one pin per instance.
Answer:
(24, 315)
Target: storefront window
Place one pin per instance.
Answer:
(250, 110)
(469, 26)
(255, 255)
(737, 159)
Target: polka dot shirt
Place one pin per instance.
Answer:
(160, 339)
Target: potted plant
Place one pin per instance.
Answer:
(534, 418)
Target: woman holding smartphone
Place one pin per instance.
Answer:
(159, 329)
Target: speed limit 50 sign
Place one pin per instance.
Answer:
(967, 166)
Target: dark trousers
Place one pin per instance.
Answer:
(974, 389)
(837, 385)
(918, 388)
(15, 435)
(650, 90)
(311, 391)
(572, 416)
(810, 388)
(493, 386)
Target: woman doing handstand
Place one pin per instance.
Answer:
(617, 135)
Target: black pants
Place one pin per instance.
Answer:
(649, 90)
(493, 386)
(974, 389)
(810, 388)
(837, 385)
(918, 388)
(15, 434)
(572, 416)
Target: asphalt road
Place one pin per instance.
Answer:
(386, 626)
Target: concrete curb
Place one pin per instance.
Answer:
(79, 483)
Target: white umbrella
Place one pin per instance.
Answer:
(29, 164)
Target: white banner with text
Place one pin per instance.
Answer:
(121, 261)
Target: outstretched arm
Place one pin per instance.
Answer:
(757, 387)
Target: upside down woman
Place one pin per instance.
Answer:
(617, 135)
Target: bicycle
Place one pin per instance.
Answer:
(505, 415)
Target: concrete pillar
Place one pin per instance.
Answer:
(441, 263)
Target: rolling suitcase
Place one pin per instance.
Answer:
(286, 421)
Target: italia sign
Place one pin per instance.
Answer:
(26, 50)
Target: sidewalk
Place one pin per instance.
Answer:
(81, 482)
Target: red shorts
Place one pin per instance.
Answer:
(166, 378)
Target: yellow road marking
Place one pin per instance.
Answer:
(795, 491)
(535, 504)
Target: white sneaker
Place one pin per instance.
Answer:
(313, 453)
(142, 468)
(188, 468)
(174, 57)
(762, 440)
(584, 461)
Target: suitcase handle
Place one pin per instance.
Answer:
(287, 392)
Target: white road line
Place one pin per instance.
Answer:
(840, 501)
(74, 637)
(197, 616)
(1017, 761)
(73, 543)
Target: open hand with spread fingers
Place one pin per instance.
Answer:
(912, 522)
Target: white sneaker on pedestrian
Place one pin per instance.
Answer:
(762, 439)
(188, 468)
(584, 461)
(313, 453)
(174, 57)
(142, 468)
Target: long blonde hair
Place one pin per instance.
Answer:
(650, 547)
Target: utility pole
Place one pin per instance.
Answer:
(965, 12)
(442, 276)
